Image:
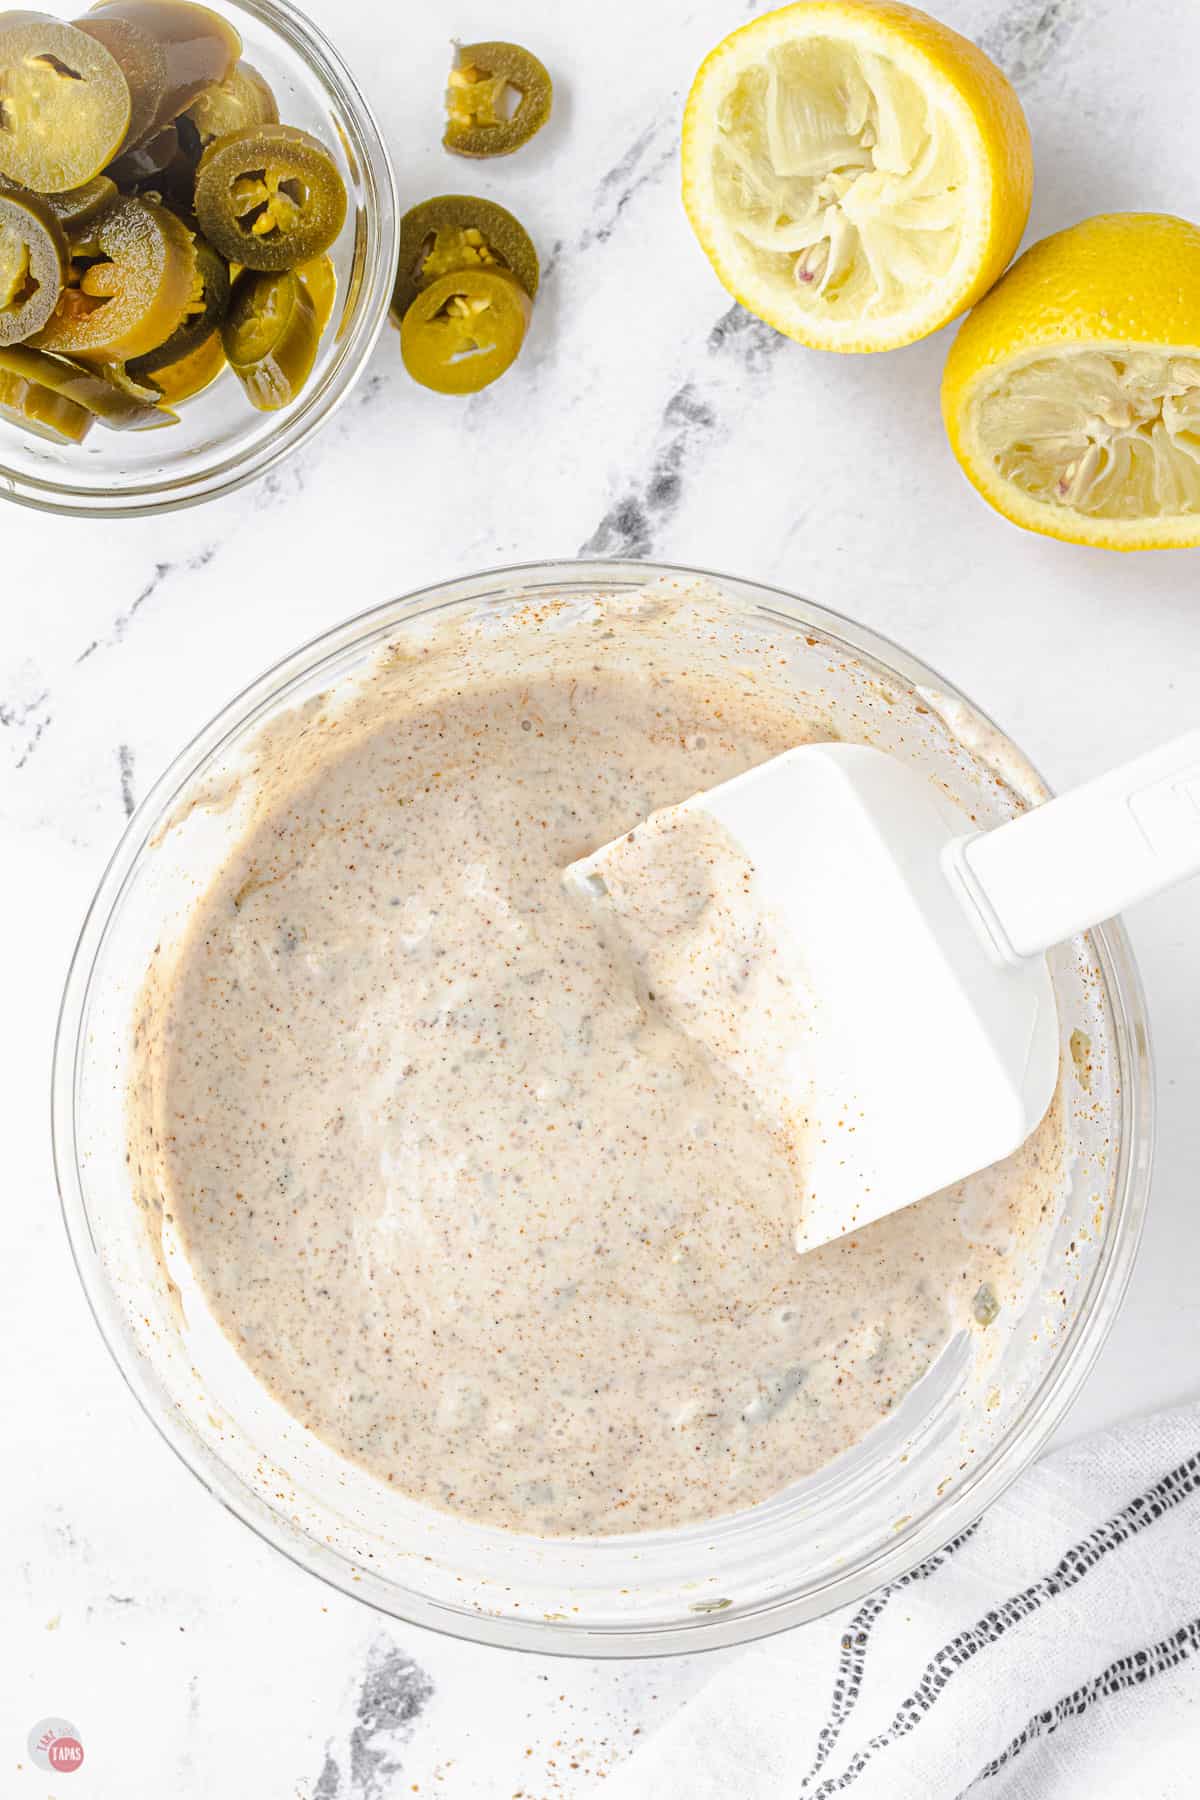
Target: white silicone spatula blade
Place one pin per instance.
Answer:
(922, 947)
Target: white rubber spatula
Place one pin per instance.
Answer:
(936, 1041)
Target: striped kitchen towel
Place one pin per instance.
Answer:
(1050, 1652)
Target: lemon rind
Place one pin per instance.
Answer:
(1159, 531)
(985, 246)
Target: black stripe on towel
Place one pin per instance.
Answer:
(847, 1681)
(1078, 1562)
(1125, 1672)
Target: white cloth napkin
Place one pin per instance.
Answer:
(1049, 1653)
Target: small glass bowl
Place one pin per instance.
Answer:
(951, 1446)
(221, 442)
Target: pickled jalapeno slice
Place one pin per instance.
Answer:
(465, 330)
(270, 336)
(74, 208)
(269, 197)
(239, 102)
(190, 374)
(102, 394)
(124, 404)
(206, 310)
(459, 231)
(26, 403)
(118, 376)
(64, 104)
(170, 50)
(34, 262)
(77, 207)
(143, 62)
(481, 119)
(157, 219)
(320, 278)
(146, 160)
(175, 185)
(133, 282)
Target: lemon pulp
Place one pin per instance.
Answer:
(842, 179)
(856, 172)
(1071, 394)
(1106, 433)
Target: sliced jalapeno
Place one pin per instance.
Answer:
(269, 197)
(33, 264)
(320, 278)
(189, 375)
(464, 331)
(270, 336)
(64, 103)
(136, 281)
(206, 309)
(459, 231)
(27, 403)
(77, 207)
(170, 51)
(103, 395)
(175, 185)
(74, 207)
(136, 407)
(143, 63)
(146, 160)
(238, 103)
(484, 78)
(118, 376)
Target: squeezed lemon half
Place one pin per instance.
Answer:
(856, 172)
(1071, 394)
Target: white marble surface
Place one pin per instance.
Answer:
(646, 417)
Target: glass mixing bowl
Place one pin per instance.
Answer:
(220, 441)
(950, 1447)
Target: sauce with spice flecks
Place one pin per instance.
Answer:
(469, 1199)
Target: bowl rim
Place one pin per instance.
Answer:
(364, 142)
(873, 1569)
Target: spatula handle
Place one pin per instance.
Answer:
(1082, 858)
